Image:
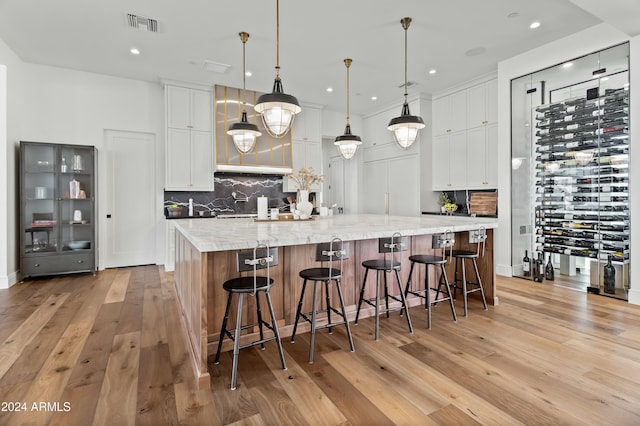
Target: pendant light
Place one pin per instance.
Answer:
(277, 108)
(244, 134)
(405, 128)
(348, 143)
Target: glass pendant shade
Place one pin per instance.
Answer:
(244, 134)
(347, 144)
(406, 127)
(277, 108)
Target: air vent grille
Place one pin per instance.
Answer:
(409, 84)
(142, 23)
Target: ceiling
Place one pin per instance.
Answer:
(315, 37)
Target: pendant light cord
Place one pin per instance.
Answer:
(347, 62)
(244, 36)
(277, 39)
(405, 63)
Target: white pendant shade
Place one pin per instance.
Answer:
(405, 134)
(277, 116)
(244, 139)
(347, 148)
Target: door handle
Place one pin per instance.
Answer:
(108, 216)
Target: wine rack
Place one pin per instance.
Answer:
(582, 176)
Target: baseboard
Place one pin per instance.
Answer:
(9, 280)
(504, 270)
(634, 296)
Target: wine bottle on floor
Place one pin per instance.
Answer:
(526, 264)
(609, 277)
(538, 269)
(549, 273)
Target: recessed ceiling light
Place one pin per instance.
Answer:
(432, 71)
(329, 89)
(534, 25)
(248, 74)
(134, 51)
(374, 98)
(567, 65)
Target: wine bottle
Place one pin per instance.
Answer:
(609, 277)
(538, 269)
(549, 273)
(526, 264)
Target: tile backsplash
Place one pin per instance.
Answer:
(234, 193)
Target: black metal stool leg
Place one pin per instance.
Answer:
(404, 301)
(386, 292)
(443, 276)
(344, 314)
(295, 323)
(377, 321)
(328, 301)
(408, 286)
(427, 302)
(364, 281)
(260, 321)
(274, 324)
(484, 300)
(236, 343)
(314, 309)
(223, 329)
(464, 287)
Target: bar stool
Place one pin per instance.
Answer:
(397, 243)
(442, 241)
(330, 252)
(261, 257)
(478, 237)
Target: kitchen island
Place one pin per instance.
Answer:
(206, 258)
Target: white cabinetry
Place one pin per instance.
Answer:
(449, 161)
(482, 104)
(450, 113)
(396, 178)
(464, 150)
(482, 150)
(306, 146)
(189, 147)
(170, 246)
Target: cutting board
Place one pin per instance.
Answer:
(483, 203)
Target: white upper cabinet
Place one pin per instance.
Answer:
(189, 143)
(482, 151)
(450, 113)
(482, 104)
(306, 146)
(307, 125)
(449, 161)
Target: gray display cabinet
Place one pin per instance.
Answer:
(57, 209)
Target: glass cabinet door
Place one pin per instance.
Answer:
(39, 212)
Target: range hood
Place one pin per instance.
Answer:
(270, 155)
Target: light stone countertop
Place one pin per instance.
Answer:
(233, 234)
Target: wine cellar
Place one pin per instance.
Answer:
(582, 179)
(571, 176)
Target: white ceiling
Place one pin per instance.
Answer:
(315, 37)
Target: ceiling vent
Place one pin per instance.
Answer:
(142, 23)
(409, 84)
(216, 67)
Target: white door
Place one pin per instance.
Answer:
(127, 205)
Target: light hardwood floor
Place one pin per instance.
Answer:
(108, 350)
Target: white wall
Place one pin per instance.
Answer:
(584, 42)
(49, 104)
(11, 95)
